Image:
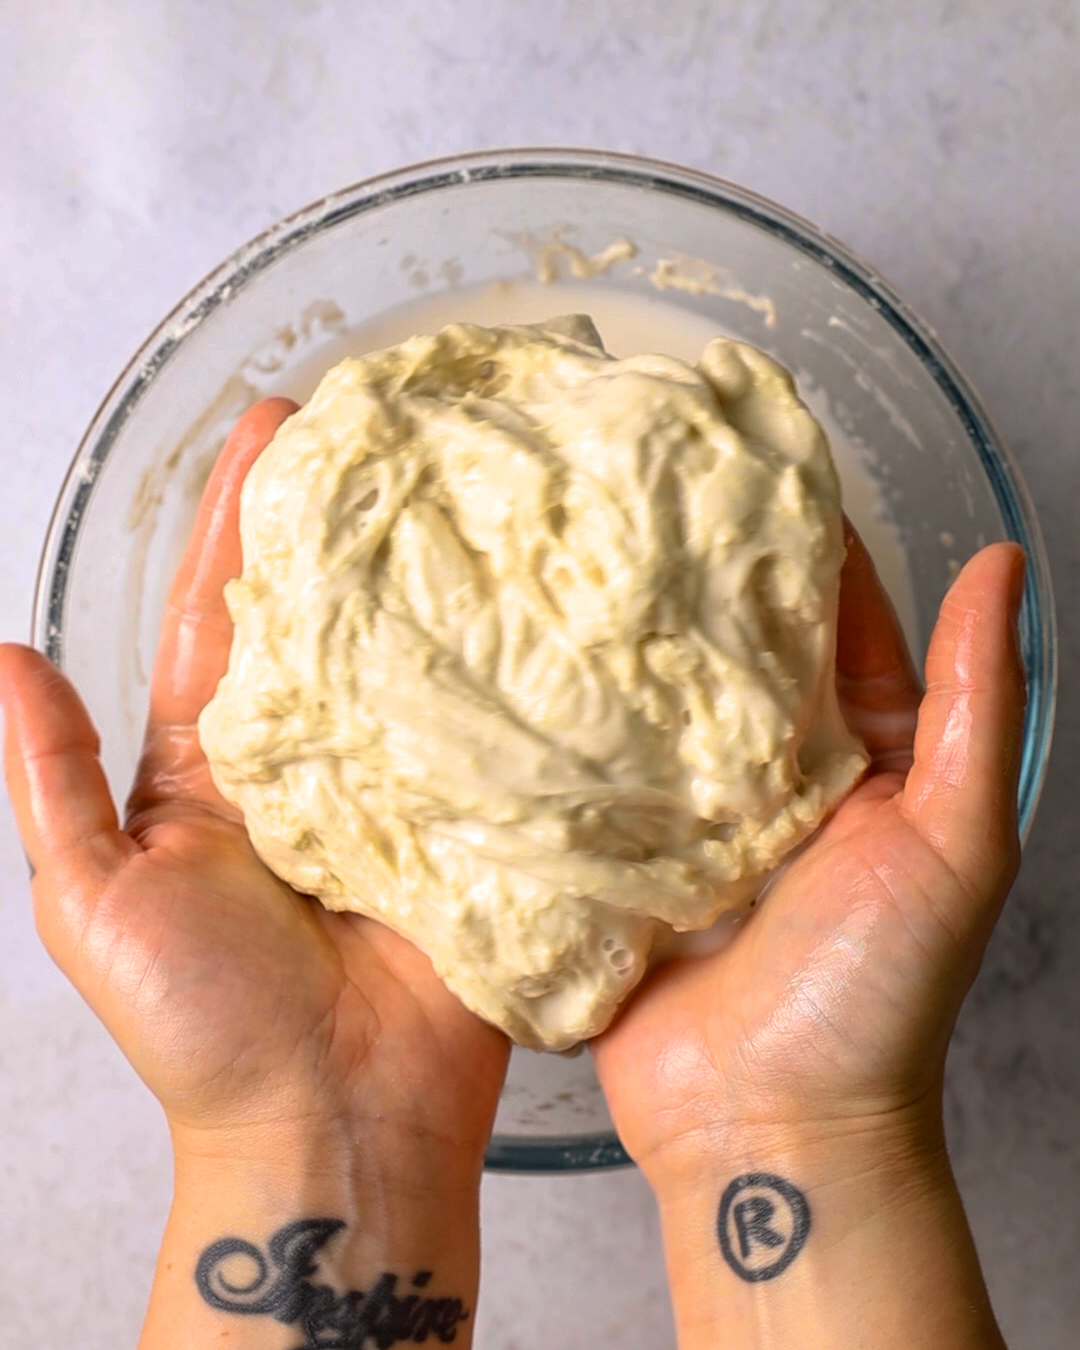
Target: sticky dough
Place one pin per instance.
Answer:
(534, 654)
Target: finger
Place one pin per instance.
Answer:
(876, 682)
(62, 803)
(196, 632)
(961, 792)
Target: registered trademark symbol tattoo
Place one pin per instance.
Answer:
(763, 1224)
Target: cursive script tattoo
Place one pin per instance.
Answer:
(235, 1276)
(763, 1225)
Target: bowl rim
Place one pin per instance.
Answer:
(1038, 632)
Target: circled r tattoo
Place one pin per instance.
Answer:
(762, 1224)
(235, 1276)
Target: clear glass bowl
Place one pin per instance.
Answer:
(269, 311)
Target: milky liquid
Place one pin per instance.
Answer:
(629, 325)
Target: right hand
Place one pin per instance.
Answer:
(831, 1009)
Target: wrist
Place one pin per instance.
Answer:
(334, 1148)
(847, 1233)
(270, 1223)
(838, 1149)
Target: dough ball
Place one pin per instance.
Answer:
(534, 654)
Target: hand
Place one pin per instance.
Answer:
(317, 1076)
(247, 1009)
(783, 1095)
(832, 1007)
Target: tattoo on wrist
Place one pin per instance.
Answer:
(234, 1276)
(763, 1224)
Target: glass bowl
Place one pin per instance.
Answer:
(275, 313)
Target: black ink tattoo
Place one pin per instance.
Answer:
(280, 1287)
(763, 1225)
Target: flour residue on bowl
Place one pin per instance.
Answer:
(695, 276)
(555, 254)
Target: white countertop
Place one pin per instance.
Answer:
(144, 141)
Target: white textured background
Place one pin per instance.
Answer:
(142, 140)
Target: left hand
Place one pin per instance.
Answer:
(248, 1010)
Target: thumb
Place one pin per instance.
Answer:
(62, 803)
(961, 791)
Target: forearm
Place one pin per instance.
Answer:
(338, 1243)
(787, 1240)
